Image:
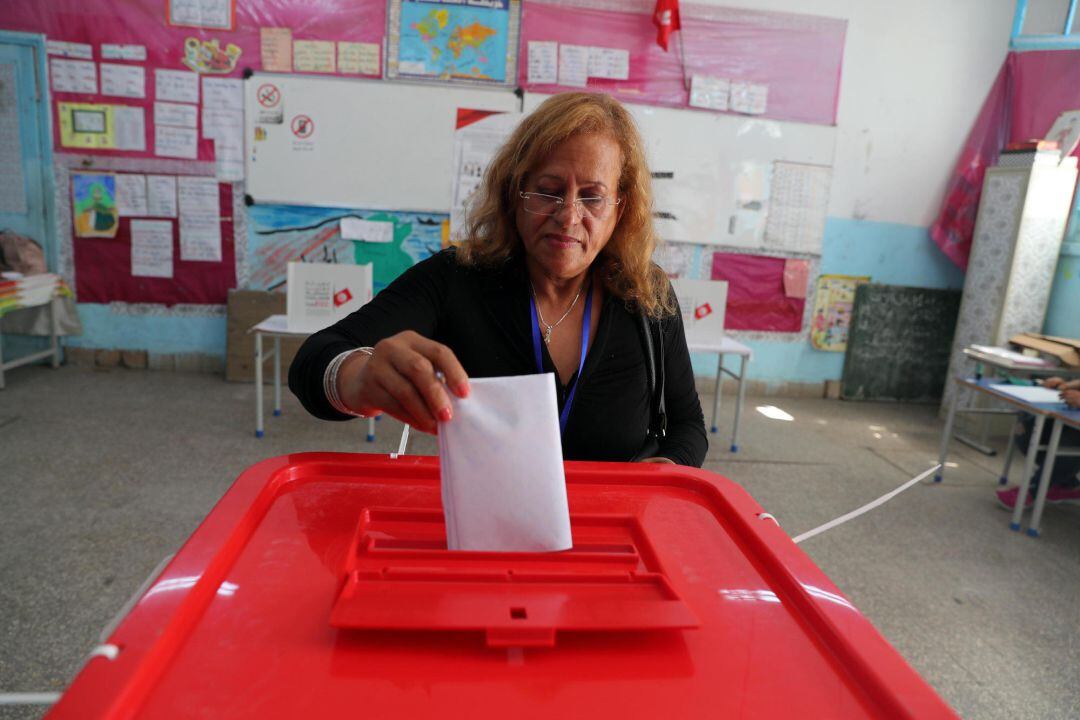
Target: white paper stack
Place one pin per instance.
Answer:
(503, 486)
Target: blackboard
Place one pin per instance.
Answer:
(899, 342)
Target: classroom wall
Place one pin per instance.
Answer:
(914, 76)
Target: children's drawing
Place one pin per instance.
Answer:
(93, 198)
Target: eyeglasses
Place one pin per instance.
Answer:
(541, 204)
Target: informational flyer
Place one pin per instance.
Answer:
(152, 248)
(200, 219)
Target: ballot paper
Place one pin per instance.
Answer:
(1027, 393)
(503, 486)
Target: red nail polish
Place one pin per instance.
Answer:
(462, 390)
(445, 414)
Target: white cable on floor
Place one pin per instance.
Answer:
(41, 698)
(402, 444)
(865, 508)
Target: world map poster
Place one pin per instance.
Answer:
(455, 39)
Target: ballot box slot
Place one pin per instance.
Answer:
(399, 575)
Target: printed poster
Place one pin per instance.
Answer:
(93, 201)
(833, 302)
(448, 40)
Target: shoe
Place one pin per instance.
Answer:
(1061, 495)
(1007, 498)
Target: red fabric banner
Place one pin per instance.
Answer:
(756, 299)
(1030, 91)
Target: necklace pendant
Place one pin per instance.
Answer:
(547, 335)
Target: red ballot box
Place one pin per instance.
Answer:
(320, 586)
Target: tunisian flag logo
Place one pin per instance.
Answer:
(666, 19)
(341, 297)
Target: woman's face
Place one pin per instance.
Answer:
(564, 245)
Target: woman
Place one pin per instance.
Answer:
(554, 277)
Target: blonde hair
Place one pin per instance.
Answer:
(626, 266)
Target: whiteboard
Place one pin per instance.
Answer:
(365, 144)
(721, 167)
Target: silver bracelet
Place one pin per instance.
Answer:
(330, 380)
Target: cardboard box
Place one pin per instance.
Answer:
(1066, 350)
(247, 308)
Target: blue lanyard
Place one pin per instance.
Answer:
(584, 349)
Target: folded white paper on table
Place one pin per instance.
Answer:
(503, 486)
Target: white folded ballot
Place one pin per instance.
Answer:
(503, 486)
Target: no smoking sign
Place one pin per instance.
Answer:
(302, 127)
(268, 95)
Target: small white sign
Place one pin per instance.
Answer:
(367, 230)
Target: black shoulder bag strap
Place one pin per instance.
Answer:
(654, 366)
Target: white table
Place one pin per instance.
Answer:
(276, 327)
(996, 366)
(1056, 412)
(53, 353)
(722, 347)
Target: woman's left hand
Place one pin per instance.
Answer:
(1071, 398)
(669, 461)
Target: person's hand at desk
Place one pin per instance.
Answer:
(1071, 398)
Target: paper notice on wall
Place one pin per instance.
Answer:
(75, 76)
(358, 58)
(123, 80)
(131, 200)
(276, 49)
(372, 231)
(176, 114)
(573, 65)
(229, 153)
(176, 85)
(543, 62)
(796, 277)
(161, 196)
(216, 121)
(130, 127)
(217, 14)
(176, 142)
(475, 144)
(223, 93)
(152, 248)
(200, 219)
(78, 51)
(709, 92)
(315, 56)
(749, 98)
(609, 63)
(797, 207)
(123, 52)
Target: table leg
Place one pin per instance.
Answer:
(277, 376)
(371, 429)
(739, 403)
(1044, 479)
(1009, 452)
(54, 331)
(946, 436)
(258, 384)
(1029, 470)
(719, 384)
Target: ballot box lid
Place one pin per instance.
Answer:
(320, 586)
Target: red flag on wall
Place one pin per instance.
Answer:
(666, 19)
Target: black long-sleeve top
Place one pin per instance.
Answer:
(483, 316)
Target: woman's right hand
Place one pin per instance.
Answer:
(1053, 382)
(399, 379)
